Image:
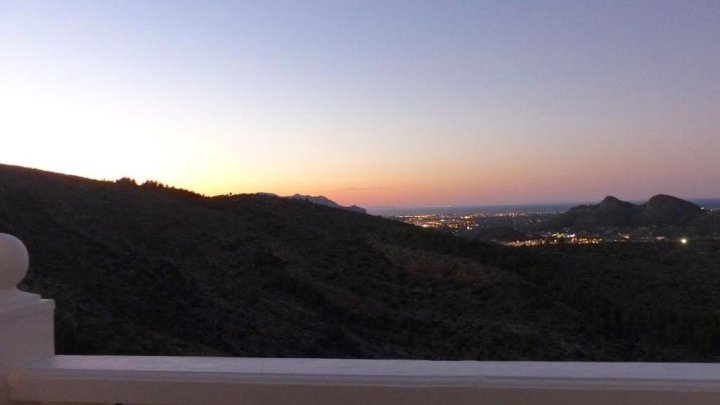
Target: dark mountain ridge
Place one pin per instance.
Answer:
(322, 200)
(660, 210)
(153, 270)
(668, 210)
(147, 269)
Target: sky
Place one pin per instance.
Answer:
(376, 103)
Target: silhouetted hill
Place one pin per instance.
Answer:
(154, 270)
(322, 200)
(148, 269)
(660, 210)
(666, 210)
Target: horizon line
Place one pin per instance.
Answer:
(414, 206)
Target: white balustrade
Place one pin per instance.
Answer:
(31, 373)
(26, 320)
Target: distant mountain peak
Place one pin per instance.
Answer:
(610, 200)
(322, 200)
(666, 199)
(667, 209)
(660, 210)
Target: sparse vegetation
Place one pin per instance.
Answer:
(153, 270)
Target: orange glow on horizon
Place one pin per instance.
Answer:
(391, 106)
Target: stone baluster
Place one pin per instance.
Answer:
(26, 320)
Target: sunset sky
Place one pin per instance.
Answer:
(376, 103)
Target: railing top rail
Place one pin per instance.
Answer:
(694, 376)
(204, 380)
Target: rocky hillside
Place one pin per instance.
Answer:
(322, 200)
(147, 269)
(153, 270)
(664, 210)
(659, 211)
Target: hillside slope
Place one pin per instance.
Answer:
(153, 270)
(322, 200)
(660, 211)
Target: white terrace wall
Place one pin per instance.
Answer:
(30, 372)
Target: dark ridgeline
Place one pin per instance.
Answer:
(322, 200)
(660, 211)
(147, 269)
(664, 210)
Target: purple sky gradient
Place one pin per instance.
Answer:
(375, 103)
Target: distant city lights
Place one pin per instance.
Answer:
(508, 222)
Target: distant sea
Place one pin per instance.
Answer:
(708, 203)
